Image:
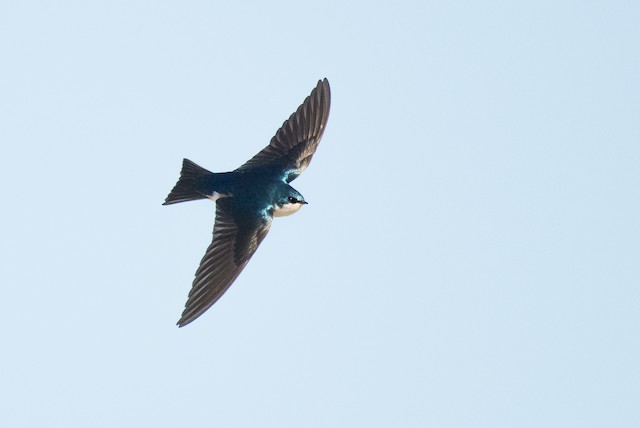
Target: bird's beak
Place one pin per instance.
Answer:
(304, 202)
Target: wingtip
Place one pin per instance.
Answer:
(183, 322)
(324, 83)
(189, 315)
(326, 89)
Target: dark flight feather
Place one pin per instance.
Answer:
(236, 236)
(297, 139)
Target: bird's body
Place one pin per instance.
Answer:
(248, 198)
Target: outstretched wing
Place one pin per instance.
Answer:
(236, 236)
(296, 141)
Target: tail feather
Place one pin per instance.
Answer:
(186, 187)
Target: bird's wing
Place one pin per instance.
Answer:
(236, 236)
(296, 141)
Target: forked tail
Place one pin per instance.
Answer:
(186, 187)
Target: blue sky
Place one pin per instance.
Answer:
(469, 256)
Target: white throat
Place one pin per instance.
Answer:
(286, 209)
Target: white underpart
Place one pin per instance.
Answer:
(286, 209)
(215, 196)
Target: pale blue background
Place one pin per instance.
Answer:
(469, 256)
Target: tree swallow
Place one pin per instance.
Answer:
(249, 197)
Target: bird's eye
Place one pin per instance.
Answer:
(293, 200)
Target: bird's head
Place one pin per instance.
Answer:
(288, 202)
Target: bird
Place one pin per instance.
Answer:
(248, 198)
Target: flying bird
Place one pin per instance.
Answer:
(249, 197)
